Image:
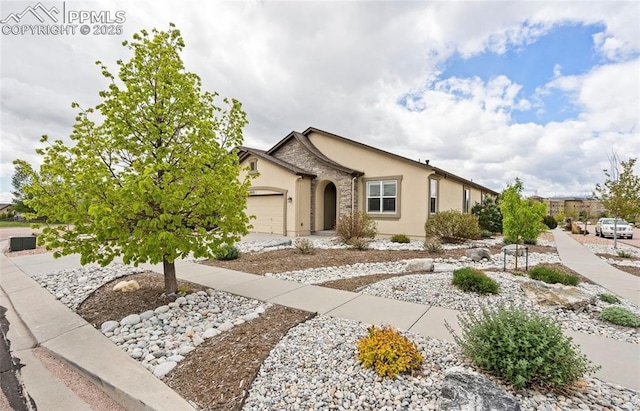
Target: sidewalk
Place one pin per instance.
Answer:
(65, 334)
(583, 261)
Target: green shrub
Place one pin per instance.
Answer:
(521, 347)
(227, 252)
(609, 298)
(304, 246)
(624, 254)
(473, 280)
(530, 241)
(550, 222)
(388, 352)
(620, 316)
(452, 226)
(400, 238)
(489, 215)
(552, 275)
(356, 225)
(485, 234)
(359, 243)
(433, 245)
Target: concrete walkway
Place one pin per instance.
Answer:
(69, 337)
(583, 261)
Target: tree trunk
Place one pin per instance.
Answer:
(170, 281)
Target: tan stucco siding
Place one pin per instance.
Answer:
(412, 183)
(275, 179)
(302, 203)
(450, 195)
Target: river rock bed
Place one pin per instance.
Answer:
(315, 367)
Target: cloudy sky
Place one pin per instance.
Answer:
(544, 91)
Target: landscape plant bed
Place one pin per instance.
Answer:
(218, 373)
(617, 258)
(288, 260)
(635, 270)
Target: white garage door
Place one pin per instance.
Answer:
(269, 212)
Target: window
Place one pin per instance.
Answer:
(253, 166)
(382, 197)
(466, 200)
(433, 196)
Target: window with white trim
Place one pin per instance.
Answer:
(382, 197)
(466, 200)
(433, 196)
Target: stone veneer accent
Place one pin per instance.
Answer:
(295, 153)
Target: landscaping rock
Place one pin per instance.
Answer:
(163, 369)
(132, 319)
(419, 265)
(556, 294)
(511, 249)
(466, 390)
(109, 326)
(478, 254)
(126, 286)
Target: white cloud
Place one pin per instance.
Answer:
(342, 66)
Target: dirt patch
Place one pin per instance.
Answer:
(355, 283)
(218, 373)
(618, 258)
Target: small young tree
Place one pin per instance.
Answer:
(620, 193)
(489, 215)
(157, 179)
(21, 177)
(521, 218)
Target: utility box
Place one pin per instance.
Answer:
(22, 243)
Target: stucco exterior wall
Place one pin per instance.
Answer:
(271, 175)
(412, 187)
(450, 195)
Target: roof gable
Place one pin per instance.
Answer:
(244, 152)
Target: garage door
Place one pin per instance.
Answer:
(269, 212)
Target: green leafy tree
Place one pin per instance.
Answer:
(21, 177)
(489, 215)
(521, 218)
(157, 179)
(620, 193)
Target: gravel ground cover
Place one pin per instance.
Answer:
(313, 364)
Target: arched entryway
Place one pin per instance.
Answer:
(330, 201)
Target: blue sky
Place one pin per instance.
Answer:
(491, 91)
(568, 49)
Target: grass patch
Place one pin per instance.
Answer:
(620, 316)
(472, 280)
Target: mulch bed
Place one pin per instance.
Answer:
(288, 260)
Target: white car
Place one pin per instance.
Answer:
(604, 228)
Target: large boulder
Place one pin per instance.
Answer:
(511, 249)
(126, 286)
(419, 265)
(556, 295)
(465, 390)
(478, 254)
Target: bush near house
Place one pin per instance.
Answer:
(521, 347)
(227, 252)
(304, 246)
(489, 215)
(473, 280)
(452, 226)
(400, 238)
(388, 352)
(356, 225)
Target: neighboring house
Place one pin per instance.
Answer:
(308, 180)
(573, 206)
(5, 208)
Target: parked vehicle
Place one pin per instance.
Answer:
(605, 227)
